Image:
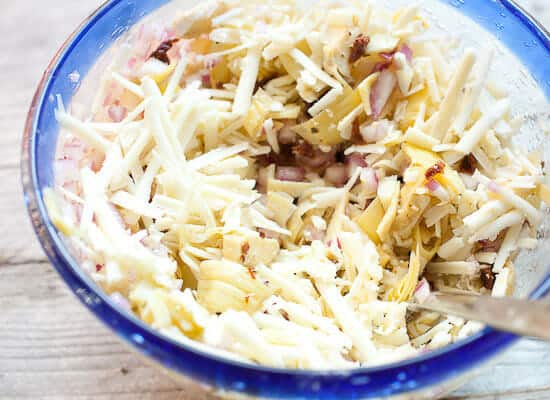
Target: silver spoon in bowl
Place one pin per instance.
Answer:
(520, 316)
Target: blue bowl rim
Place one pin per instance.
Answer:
(488, 341)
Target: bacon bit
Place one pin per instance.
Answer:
(436, 169)
(487, 277)
(244, 250)
(284, 314)
(339, 243)
(359, 48)
(468, 164)
(161, 51)
(98, 267)
(251, 273)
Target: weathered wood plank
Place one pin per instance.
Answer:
(18, 243)
(30, 32)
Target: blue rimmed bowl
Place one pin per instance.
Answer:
(522, 62)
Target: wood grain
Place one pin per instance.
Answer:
(51, 347)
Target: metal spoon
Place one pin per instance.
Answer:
(519, 316)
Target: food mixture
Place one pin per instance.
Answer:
(277, 180)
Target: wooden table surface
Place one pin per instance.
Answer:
(50, 346)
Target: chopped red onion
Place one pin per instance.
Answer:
(375, 131)
(387, 56)
(120, 301)
(261, 180)
(72, 151)
(132, 62)
(437, 190)
(422, 291)
(381, 66)
(381, 92)
(211, 62)
(337, 174)
(286, 135)
(370, 179)
(66, 171)
(432, 185)
(285, 173)
(355, 160)
(493, 187)
(406, 51)
(117, 112)
(312, 233)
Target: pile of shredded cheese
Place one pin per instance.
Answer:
(277, 180)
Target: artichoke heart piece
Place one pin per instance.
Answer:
(225, 285)
(371, 218)
(323, 128)
(249, 249)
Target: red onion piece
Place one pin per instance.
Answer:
(261, 180)
(356, 159)
(211, 62)
(381, 66)
(369, 179)
(387, 56)
(312, 233)
(120, 301)
(66, 171)
(422, 291)
(407, 52)
(432, 185)
(117, 112)
(337, 174)
(437, 190)
(375, 131)
(313, 157)
(132, 63)
(381, 92)
(295, 174)
(493, 187)
(286, 135)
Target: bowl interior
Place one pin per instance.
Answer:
(521, 63)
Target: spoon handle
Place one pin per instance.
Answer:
(522, 317)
